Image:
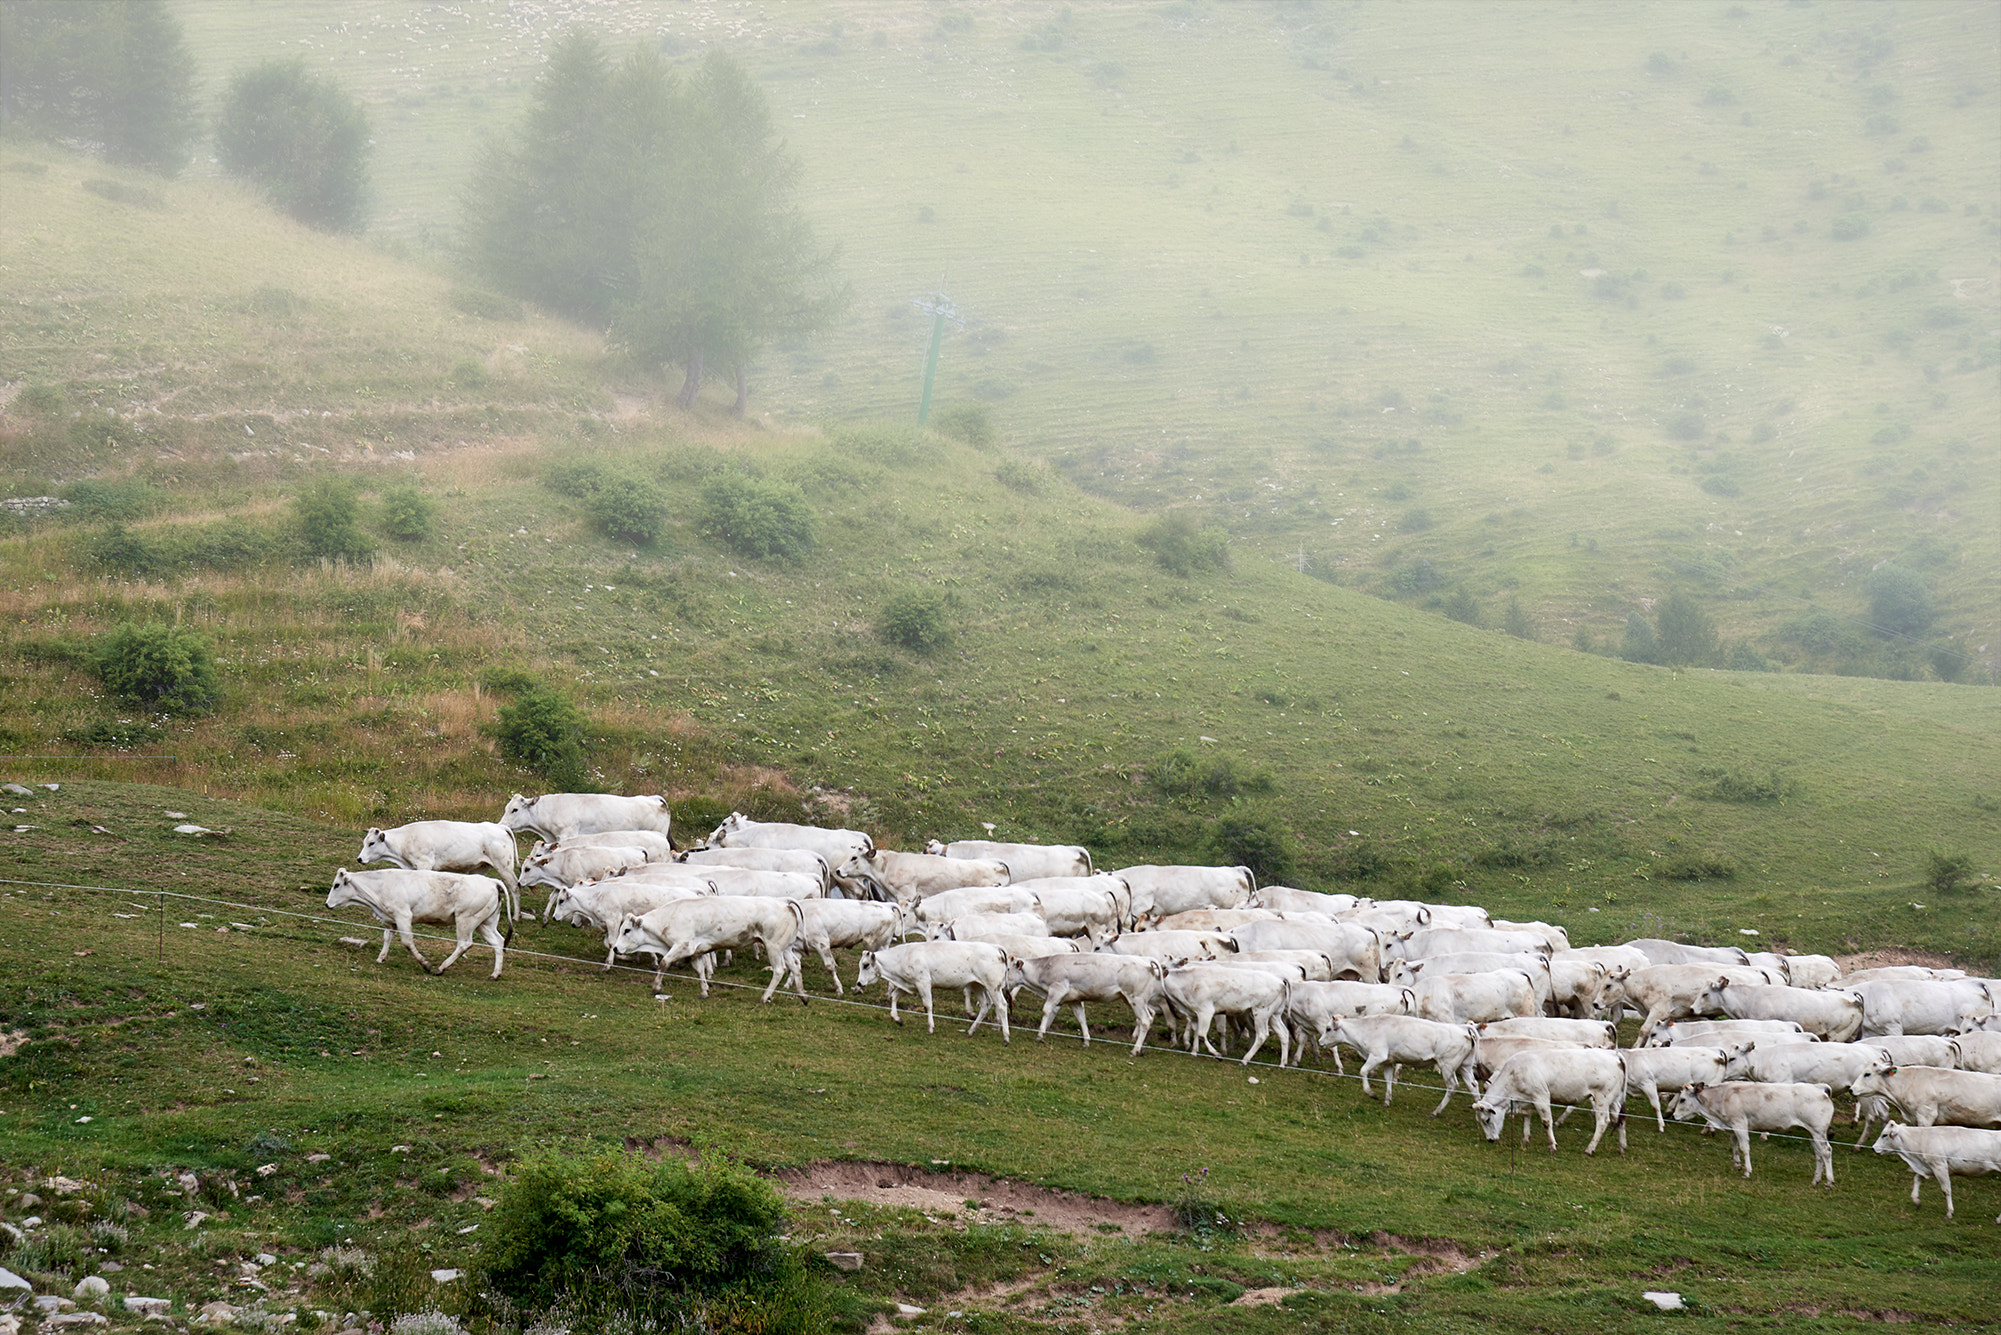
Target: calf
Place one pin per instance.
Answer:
(919, 966)
(1396, 1039)
(826, 925)
(398, 898)
(1199, 992)
(1539, 1077)
(1741, 1108)
(1072, 980)
(1310, 1007)
(1938, 1152)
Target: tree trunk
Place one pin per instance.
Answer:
(693, 385)
(742, 391)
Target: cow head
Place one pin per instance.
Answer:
(869, 970)
(344, 891)
(520, 812)
(1892, 1139)
(1491, 1110)
(1687, 1105)
(374, 848)
(731, 824)
(934, 848)
(631, 937)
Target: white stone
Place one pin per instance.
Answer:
(195, 1218)
(1667, 1302)
(10, 1280)
(907, 1310)
(71, 1320)
(63, 1186)
(445, 1276)
(91, 1286)
(52, 1302)
(265, 1258)
(215, 1314)
(148, 1306)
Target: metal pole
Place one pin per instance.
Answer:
(931, 364)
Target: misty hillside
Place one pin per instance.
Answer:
(1569, 308)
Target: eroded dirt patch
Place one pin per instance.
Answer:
(945, 1194)
(1891, 956)
(11, 1043)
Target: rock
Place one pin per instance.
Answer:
(51, 1302)
(18, 791)
(266, 1169)
(195, 1219)
(188, 1181)
(75, 1320)
(148, 1306)
(907, 1310)
(10, 1281)
(445, 1276)
(110, 1268)
(845, 1260)
(28, 1200)
(318, 1158)
(1667, 1302)
(215, 1314)
(63, 1186)
(91, 1286)
(9, 1324)
(265, 1258)
(17, 1237)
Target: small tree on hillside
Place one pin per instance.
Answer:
(1686, 634)
(1899, 602)
(115, 77)
(163, 666)
(301, 139)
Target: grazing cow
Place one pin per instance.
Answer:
(1311, 1006)
(1935, 1095)
(659, 848)
(1160, 890)
(604, 905)
(1393, 1040)
(1072, 980)
(836, 846)
(829, 924)
(910, 877)
(919, 966)
(1199, 992)
(1914, 1006)
(1938, 1152)
(1976, 1050)
(801, 860)
(1172, 945)
(1741, 1108)
(398, 897)
(1356, 951)
(693, 929)
(1022, 860)
(1534, 1078)
(562, 816)
(1708, 1033)
(448, 845)
(1476, 998)
(1830, 1015)
(1650, 1070)
(1577, 1033)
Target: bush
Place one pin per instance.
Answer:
(1182, 548)
(1899, 602)
(300, 138)
(544, 731)
(327, 516)
(159, 665)
(1738, 786)
(633, 511)
(757, 517)
(916, 620)
(1181, 773)
(127, 498)
(1946, 873)
(971, 422)
(1019, 475)
(1248, 841)
(407, 513)
(613, 1228)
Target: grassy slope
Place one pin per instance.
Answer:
(349, 1059)
(1188, 291)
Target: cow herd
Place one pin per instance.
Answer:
(1738, 1041)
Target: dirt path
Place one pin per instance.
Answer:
(973, 1198)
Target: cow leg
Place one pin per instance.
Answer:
(1082, 1027)
(1370, 1061)
(892, 1001)
(1206, 1020)
(1142, 1024)
(1007, 1038)
(1743, 1135)
(1284, 1032)
(464, 944)
(1823, 1158)
(388, 938)
(410, 940)
(781, 969)
(826, 958)
(1051, 1006)
(1942, 1173)
(1653, 1093)
(1261, 1029)
(1601, 1113)
(494, 939)
(924, 995)
(1451, 1074)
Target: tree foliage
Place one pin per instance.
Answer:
(659, 208)
(1899, 601)
(111, 77)
(1686, 634)
(327, 514)
(1183, 548)
(301, 139)
(544, 731)
(159, 665)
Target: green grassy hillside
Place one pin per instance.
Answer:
(1567, 306)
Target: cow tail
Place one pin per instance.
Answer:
(505, 916)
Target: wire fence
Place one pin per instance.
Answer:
(348, 926)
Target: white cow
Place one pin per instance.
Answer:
(1577, 987)
(1072, 980)
(1836, 1065)
(910, 877)
(567, 864)
(1554, 938)
(1285, 899)
(1023, 860)
(1914, 1006)
(1476, 998)
(1934, 1095)
(919, 966)
(1902, 972)
(730, 880)
(604, 905)
(1171, 945)
(398, 897)
(1091, 906)
(1315, 966)
(934, 913)
(562, 816)
(1651, 1070)
(1612, 957)
(1708, 1033)
(1831, 1015)
(693, 929)
(1938, 1152)
(1577, 1033)
(1674, 952)
(448, 845)
(1811, 970)
(659, 848)
(1406, 973)
(836, 846)
(1665, 992)
(1311, 1006)
(1491, 1051)
(1921, 1049)
(980, 926)
(1355, 950)
(1564, 1075)
(829, 924)
(802, 860)
(1215, 920)
(1393, 1040)
(1159, 890)
(1741, 1108)
(1976, 1050)
(1199, 992)
(1462, 940)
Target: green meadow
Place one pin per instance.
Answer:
(1455, 319)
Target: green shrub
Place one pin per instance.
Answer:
(1181, 547)
(327, 513)
(1019, 475)
(40, 400)
(118, 550)
(125, 498)
(915, 619)
(1182, 773)
(757, 517)
(406, 514)
(1899, 602)
(971, 422)
(1739, 786)
(1249, 841)
(1696, 867)
(582, 478)
(544, 731)
(159, 665)
(617, 1228)
(1946, 873)
(633, 511)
